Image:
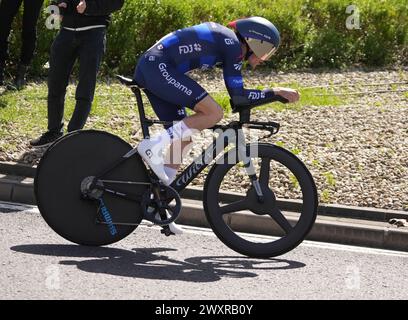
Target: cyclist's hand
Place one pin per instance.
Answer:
(62, 5)
(81, 6)
(289, 94)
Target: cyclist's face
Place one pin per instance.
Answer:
(254, 61)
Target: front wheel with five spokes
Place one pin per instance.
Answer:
(233, 214)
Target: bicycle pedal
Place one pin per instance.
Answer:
(166, 231)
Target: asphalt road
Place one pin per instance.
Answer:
(38, 264)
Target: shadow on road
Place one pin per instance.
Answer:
(152, 263)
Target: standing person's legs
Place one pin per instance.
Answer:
(62, 58)
(64, 52)
(91, 50)
(32, 10)
(29, 38)
(8, 9)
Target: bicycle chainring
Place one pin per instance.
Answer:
(161, 204)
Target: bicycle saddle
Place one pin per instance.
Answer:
(126, 81)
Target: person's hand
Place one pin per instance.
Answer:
(81, 6)
(62, 5)
(289, 94)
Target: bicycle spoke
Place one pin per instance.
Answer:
(234, 207)
(280, 219)
(264, 172)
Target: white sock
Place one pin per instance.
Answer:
(171, 173)
(179, 131)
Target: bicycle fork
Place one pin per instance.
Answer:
(245, 157)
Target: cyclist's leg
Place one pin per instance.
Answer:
(171, 113)
(207, 113)
(174, 88)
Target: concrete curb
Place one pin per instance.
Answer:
(17, 189)
(333, 210)
(17, 169)
(195, 193)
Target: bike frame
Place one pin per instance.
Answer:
(231, 133)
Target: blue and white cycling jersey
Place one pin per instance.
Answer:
(161, 71)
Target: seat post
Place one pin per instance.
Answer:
(142, 114)
(245, 116)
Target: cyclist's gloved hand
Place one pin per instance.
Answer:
(287, 95)
(271, 96)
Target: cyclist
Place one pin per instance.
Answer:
(161, 71)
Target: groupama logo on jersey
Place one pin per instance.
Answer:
(172, 81)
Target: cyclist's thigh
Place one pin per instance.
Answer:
(165, 110)
(163, 80)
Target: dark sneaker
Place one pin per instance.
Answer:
(20, 80)
(46, 139)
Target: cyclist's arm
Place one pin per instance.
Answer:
(235, 86)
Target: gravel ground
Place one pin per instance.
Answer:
(356, 152)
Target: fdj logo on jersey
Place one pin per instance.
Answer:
(256, 95)
(190, 48)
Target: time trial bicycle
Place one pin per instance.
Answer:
(93, 188)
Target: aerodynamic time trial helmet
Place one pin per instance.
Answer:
(261, 35)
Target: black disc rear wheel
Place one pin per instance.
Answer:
(64, 167)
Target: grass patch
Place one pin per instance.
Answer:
(24, 114)
(309, 97)
(280, 144)
(294, 182)
(316, 163)
(296, 151)
(313, 96)
(223, 99)
(325, 196)
(330, 179)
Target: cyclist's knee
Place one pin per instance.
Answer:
(210, 108)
